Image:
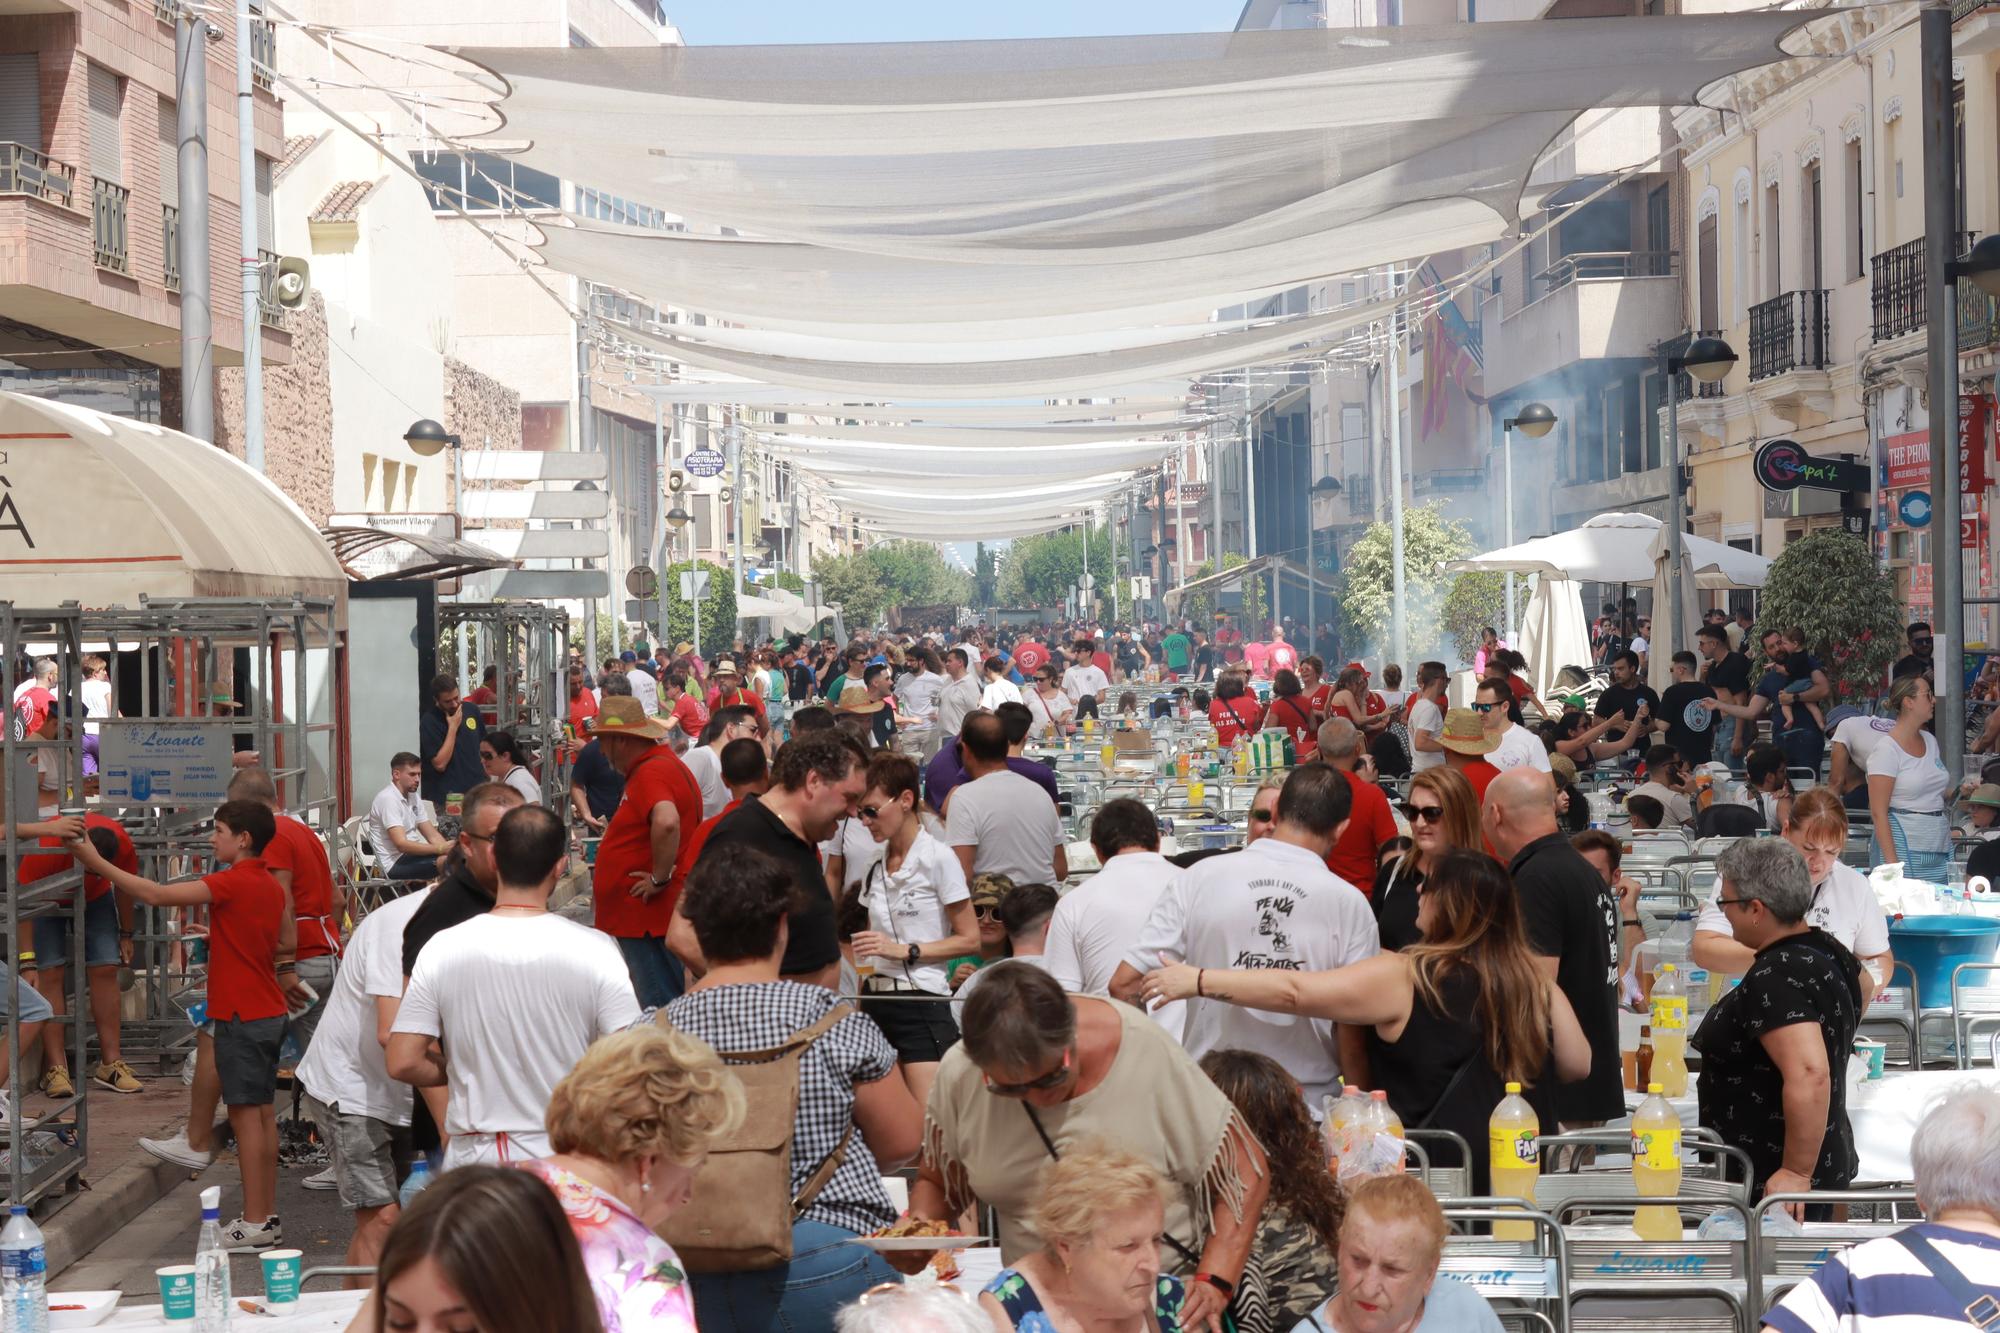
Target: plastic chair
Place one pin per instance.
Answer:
(1532, 1275)
(312, 1275)
(1613, 1270)
(1975, 1011)
(1895, 1006)
(1447, 1182)
(1787, 1260)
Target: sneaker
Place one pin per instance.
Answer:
(241, 1237)
(177, 1151)
(56, 1082)
(115, 1075)
(6, 1108)
(325, 1180)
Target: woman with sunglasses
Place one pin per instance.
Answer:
(1451, 1019)
(1444, 817)
(1049, 705)
(1041, 1076)
(500, 755)
(919, 916)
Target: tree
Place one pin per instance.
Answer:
(985, 577)
(867, 584)
(1041, 570)
(718, 607)
(1367, 597)
(1474, 602)
(1826, 583)
(854, 584)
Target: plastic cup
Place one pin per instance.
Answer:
(281, 1276)
(176, 1291)
(1872, 1052)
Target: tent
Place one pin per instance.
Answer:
(787, 611)
(1555, 633)
(102, 510)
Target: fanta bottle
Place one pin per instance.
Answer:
(1670, 1012)
(1656, 1164)
(1513, 1139)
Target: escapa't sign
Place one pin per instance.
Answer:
(1784, 465)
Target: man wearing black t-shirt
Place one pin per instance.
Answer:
(1918, 662)
(1727, 673)
(1687, 724)
(1573, 927)
(1627, 695)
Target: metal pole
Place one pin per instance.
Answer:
(197, 325)
(1676, 511)
(1507, 520)
(736, 503)
(246, 207)
(1400, 633)
(1084, 585)
(660, 529)
(585, 437)
(1180, 517)
(1940, 249)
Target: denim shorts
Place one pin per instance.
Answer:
(364, 1154)
(29, 1004)
(246, 1059)
(100, 935)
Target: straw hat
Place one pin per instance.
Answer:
(622, 715)
(854, 698)
(683, 648)
(725, 667)
(1564, 767)
(1464, 733)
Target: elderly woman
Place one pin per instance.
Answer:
(1099, 1212)
(902, 1308)
(1038, 1075)
(630, 1126)
(1907, 783)
(1919, 1277)
(1774, 1050)
(1390, 1244)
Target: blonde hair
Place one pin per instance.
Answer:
(1395, 1199)
(1079, 1190)
(1900, 693)
(1818, 810)
(647, 1090)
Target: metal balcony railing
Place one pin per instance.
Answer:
(269, 313)
(1896, 287)
(1964, 8)
(1978, 318)
(25, 171)
(1605, 266)
(1448, 479)
(165, 11)
(170, 247)
(109, 204)
(1788, 332)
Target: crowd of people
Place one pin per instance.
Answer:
(831, 937)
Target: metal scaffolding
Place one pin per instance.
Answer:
(528, 645)
(44, 1151)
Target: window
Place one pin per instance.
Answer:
(21, 100)
(267, 225)
(1774, 255)
(1958, 137)
(1742, 267)
(1857, 213)
(1659, 219)
(168, 134)
(1711, 298)
(610, 208)
(105, 110)
(1810, 201)
(482, 182)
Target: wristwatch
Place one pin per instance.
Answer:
(915, 952)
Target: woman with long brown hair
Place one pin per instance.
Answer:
(1287, 1276)
(1291, 708)
(1444, 816)
(1452, 1019)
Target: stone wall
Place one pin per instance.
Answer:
(485, 414)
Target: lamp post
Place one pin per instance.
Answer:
(1535, 421)
(427, 439)
(1707, 360)
(677, 519)
(1149, 554)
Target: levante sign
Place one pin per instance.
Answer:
(1784, 465)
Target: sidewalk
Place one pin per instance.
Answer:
(122, 1180)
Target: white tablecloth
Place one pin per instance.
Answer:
(318, 1312)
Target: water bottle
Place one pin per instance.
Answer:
(211, 1267)
(419, 1177)
(24, 1287)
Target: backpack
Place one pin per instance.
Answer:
(739, 1216)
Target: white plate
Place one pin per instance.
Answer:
(97, 1307)
(900, 1244)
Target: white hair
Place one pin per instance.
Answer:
(1955, 1154)
(915, 1309)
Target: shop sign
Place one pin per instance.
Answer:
(1784, 465)
(1906, 458)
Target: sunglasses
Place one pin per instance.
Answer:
(1053, 1079)
(987, 913)
(1427, 814)
(1262, 816)
(1484, 708)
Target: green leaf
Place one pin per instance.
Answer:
(1827, 584)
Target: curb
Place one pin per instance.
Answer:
(97, 1213)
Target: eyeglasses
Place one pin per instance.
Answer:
(1054, 1078)
(1726, 903)
(1428, 814)
(1485, 708)
(987, 913)
(1262, 816)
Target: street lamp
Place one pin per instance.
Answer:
(1981, 266)
(427, 439)
(1535, 420)
(1707, 360)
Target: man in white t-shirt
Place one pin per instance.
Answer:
(501, 1007)
(998, 689)
(998, 821)
(1514, 747)
(349, 1093)
(960, 694)
(730, 723)
(400, 832)
(1427, 716)
(644, 688)
(1084, 679)
(1273, 904)
(1096, 922)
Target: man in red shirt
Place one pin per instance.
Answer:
(1370, 823)
(637, 875)
(1029, 654)
(487, 697)
(248, 930)
(107, 943)
(682, 711)
(1465, 740)
(730, 692)
(582, 707)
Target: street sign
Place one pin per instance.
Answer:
(751, 574)
(694, 584)
(1142, 587)
(642, 582)
(1914, 509)
(704, 462)
(642, 613)
(1784, 465)
(1086, 583)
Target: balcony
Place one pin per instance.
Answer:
(1593, 306)
(109, 203)
(25, 171)
(269, 313)
(1600, 266)
(263, 51)
(170, 247)
(1896, 288)
(1978, 318)
(1788, 333)
(1448, 480)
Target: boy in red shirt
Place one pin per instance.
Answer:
(248, 928)
(107, 942)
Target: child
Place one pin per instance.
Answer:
(1646, 812)
(248, 925)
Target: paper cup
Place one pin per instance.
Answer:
(1872, 1052)
(281, 1276)
(176, 1291)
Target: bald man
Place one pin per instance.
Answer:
(1571, 917)
(1371, 824)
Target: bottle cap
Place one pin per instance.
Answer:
(1380, 1095)
(1513, 1089)
(1666, 967)
(19, 1210)
(211, 1201)
(1654, 1089)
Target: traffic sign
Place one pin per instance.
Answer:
(1914, 508)
(1086, 583)
(694, 584)
(642, 582)
(705, 462)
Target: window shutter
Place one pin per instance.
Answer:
(107, 159)
(267, 231)
(170, 154)
(21, 100)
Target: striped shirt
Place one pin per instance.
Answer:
(1882, 1287)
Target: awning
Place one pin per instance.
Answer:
(1617, 548)
(787, 611)
(371, 554)
(1233, 578)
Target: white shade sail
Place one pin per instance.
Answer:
(1617, 548)
(993, 489)
(771, 398)
(998, 471)
(978, 344)
(1554, 634)
(1098, 434)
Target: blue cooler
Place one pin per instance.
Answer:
(1934, 946)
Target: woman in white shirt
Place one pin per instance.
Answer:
(501, 755)
(1049, 706)
(919, 916)
(1906, 788)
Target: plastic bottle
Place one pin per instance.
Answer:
(24, 1287)
(211, 1267)
(419, 1177)
(1656, 1165)
(1386, 1119)
(1670, 1011)
(1512, 1136)
(1340, 1113)
(1642, 1072)
(1680, 950)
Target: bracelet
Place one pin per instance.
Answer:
(1221, 1284)
(1635, 921)
(287, 969)
(1197, 982)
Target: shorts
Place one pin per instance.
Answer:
(26, 1003)
(318, 973)
(920, 1030)
(364, 1154)
(100, 935)
(246, 1059)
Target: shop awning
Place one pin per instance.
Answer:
(1230, 579)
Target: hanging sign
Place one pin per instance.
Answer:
(1914, 509)
(704, 462)
(165, 763)
(1784, 465)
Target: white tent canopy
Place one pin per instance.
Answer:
(1617, 548)
(1555, 633)
(102, 509)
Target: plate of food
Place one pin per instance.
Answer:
(911, 1235)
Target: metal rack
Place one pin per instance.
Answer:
(528, 644)
(45, 1152)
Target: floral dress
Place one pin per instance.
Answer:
(1024, 1308)
(637, 1278)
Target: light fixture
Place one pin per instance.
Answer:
(1981, 265)
(1327, 485)
(1147, 553)
(1707, 359)
(1535, 420)
(425, 438)
(678, 518)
